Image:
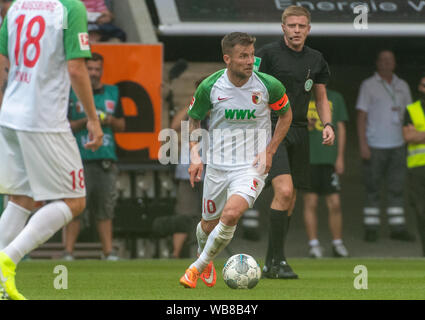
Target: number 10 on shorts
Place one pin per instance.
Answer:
(209, 206)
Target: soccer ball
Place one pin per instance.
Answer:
(241, 271)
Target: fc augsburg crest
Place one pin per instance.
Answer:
(256, 97)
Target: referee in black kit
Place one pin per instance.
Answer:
(301, 70)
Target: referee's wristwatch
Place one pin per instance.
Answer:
(330, 125)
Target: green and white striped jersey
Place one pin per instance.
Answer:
(240, 125)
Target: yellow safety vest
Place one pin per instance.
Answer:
(416, 151)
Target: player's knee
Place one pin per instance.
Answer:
(283, 194)
(23, 201)
(77, 205)
(311, 206)
(334, 204)
(230, 216)
(208, 226)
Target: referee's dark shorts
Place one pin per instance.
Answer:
(293, 157)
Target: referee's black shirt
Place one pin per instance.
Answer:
(294, 69)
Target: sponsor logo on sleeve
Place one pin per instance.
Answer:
(84, 41)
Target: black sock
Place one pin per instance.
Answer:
(269, 254)
(279, 224)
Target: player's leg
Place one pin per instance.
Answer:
(279, 221)
(310, 220)
(331, 188)
(311, 199)
(299, 163)
(41, 227)
(335, 224)
(396, 178)
(14, 218)
(213, 202)
(335, 215)
(105, 193)
(49, 159)
(373, 174)
(104, 229)
(416, 191)
(223, 232)
(280, 179)
(204, 232)
(72, 230)
(189, 204)
(13, 181)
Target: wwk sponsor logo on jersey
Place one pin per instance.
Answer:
(240, 114)
(217, 146)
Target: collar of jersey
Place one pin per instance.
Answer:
(231, 85)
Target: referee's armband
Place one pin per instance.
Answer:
(281, 105)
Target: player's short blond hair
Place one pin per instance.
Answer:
(297, 11)
(232, 39)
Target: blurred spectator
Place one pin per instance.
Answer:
(381, 104)
(414, 135)
(100, 170)
(327, 164)
(100, 22)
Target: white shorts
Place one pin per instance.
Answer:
(219, 185)
(40, 165)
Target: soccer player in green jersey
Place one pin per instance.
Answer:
(239, 101)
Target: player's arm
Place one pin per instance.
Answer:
(4, 59)
(105, 17)
(324, 111)
(196, 165)
(81, 84)
(278, 103)
(410, 133)
(284, 111)
(117, 124)
(361, 133)
(282, 127)
(198, 110)
(339, 165)
(78, 125)
(116, 120)
(181, 115)
(77, 48)
(364, 100)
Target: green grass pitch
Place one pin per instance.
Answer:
(158, 280)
